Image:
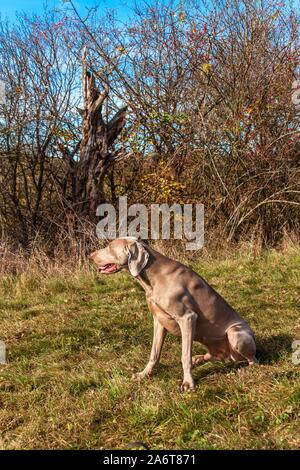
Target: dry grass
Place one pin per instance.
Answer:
(75, 339)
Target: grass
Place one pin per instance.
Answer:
(74, 341)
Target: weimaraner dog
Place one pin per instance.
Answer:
(182, 303)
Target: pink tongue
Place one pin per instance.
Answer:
(109, 268)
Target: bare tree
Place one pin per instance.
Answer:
(98, 137)
(210, 116)
(209, 90)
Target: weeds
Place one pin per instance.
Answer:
(74, 340)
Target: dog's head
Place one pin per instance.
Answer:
(127, 252)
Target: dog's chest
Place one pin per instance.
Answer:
(169, 323)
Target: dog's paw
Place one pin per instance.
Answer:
(197, 360)
(140, 376)
(253, 362)
(188, 385)
(137, 376)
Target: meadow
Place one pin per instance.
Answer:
(74, 339)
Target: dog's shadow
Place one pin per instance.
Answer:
(271, 348)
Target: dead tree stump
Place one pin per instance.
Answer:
(98, 137)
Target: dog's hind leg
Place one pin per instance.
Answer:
(218, 350)
(242, 344)
(203, 358)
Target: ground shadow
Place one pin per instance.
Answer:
(216, 368)
(271, 348)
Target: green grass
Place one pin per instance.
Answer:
(73, 343)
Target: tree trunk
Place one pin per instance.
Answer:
(97, 138)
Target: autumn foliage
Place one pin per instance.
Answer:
(210, 114)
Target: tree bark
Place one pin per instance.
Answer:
(97, 139)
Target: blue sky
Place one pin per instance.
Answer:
(9, 7)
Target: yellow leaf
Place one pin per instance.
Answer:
(121, 49)
(276, 15)
(206, 67)
(182, 16)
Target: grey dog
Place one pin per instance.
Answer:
(182, 303)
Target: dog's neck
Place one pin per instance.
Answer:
(148, 276)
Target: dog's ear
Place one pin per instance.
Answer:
(137, 258)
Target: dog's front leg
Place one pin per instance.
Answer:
(187, 325)
(159, 334)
